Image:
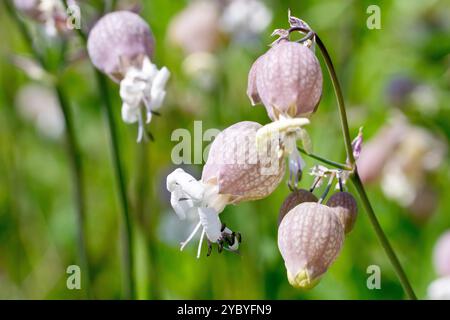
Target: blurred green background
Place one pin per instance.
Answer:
(37, 214)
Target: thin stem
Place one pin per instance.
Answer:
(357, 181)
(72, 150)
(77, 174)
(128, 254)
(128, 247)
(325, 160)
(382, 237)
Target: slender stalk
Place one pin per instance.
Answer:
(72, 150)
(325, 160)
(382, 237)
(357, 181)
(77, 175)
(128, 247)
(128, 254)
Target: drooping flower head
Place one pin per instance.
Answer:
(196, 28)
(310, 238)
(234, 172)
(121, 45)
(287, 80)
(120, 39)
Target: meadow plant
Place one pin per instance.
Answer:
(287, 80)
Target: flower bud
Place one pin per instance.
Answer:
(239, 170)
(310, 238)
(441, 255)
(118, 40)
(288, 80)
(294, 199)
(345, 207)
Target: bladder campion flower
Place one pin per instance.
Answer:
(234, 172)
(121, 45)
(310, 238)
(287, 79)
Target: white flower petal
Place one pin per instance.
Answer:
(211, 223)
(130, 114)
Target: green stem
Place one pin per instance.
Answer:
(357, 181)
(77, 174)
(128, 248)
(128, 254)
(382, 237)
(72, 150)
(325, 160)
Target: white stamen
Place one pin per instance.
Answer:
(140, 128)
(199, 249)
(188, 196)
(185, 242)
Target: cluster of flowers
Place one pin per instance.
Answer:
(247, 162)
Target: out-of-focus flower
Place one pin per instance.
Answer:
(439, 289)
(399, 89)
(245, 19)
(378, 150)
(310, 238)
(39, 105)
(196, 29)
(145, 85)
(121, 45)
(403, 92)
(233, 173)
(202, 68)
(49, 12)
(401, 156)
(119, 40)
(441, 255)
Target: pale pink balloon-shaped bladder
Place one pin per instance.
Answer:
(310, 238)
(287, 80)
(293, 200)
(119, 39)
(236, 166)
(346, 208)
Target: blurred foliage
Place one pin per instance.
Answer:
(37, 217)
